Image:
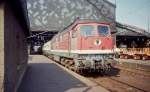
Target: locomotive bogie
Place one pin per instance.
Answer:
(92, 64)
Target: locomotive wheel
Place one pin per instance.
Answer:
(109, 67)
(72, 68)
(121, 56)
(126, 57)
(66, 65)
(135, 57)
(77, 70)
(144, 57)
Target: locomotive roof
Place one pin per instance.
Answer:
(79, 21)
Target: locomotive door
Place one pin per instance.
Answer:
(73, 40)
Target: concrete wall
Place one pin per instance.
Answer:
(13, 49)
(1, 46)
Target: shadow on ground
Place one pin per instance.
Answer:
(48, 77)
(113, 72)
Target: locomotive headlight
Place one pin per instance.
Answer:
(97, 42)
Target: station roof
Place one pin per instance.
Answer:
(110, 3)
(130, 30)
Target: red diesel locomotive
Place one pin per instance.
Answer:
(85, 45)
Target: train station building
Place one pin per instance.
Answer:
(134, 42)
(43, 74)
(14, 29)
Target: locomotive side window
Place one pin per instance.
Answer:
(87, 30)
(103, 30)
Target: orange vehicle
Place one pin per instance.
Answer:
(136, 53)
(146, 53)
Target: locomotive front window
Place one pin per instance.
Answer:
(103, 30)
(87, 30)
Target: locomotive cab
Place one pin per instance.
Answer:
(95, 38)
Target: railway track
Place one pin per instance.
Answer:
(114, 81)
(140, 89)
(125, 81)
(140, 72)
(114, 85)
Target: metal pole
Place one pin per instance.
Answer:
(148, 24)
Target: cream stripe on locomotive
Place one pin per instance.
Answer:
(86, 51)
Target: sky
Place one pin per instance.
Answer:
(133, 12)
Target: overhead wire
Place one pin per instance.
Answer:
(59, 30)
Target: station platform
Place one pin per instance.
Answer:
(44, 75)
(134, 64)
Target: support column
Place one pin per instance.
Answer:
(1, 46)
